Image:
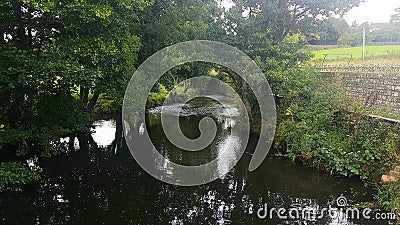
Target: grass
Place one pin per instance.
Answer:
(374, 55)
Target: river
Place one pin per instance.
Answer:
(110, 188)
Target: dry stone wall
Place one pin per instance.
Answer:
(371, 86)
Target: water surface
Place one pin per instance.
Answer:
(109, 187)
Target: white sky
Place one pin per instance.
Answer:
(376, 11)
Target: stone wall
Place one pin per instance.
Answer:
(374, 89)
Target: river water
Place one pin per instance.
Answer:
(110, 188)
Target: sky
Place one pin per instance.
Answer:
(376, 11)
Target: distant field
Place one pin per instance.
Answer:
(371, 52)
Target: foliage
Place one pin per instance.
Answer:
(336, 31)
(157, 98)
(390, 33)
(304, 113)
(106, 105)
(329, 31)
(389, 197)
(169, 22)
(354, 37)
(62, 60)
(317, 132)
(58, 58)
(276, 18)
(14, 175)
(178, 94)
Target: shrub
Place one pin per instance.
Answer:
(389, 198)
(314, 127)
(13, 175)
(157, 98)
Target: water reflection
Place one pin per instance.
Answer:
(103, 132)
(227, 149)
(111, 188)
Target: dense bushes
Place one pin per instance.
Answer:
(389, 196)
(314, 127)
(350, 144)
(14, 175)
(178, 94)
(157, 97)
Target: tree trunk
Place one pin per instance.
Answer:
(71, 143)
(84, 95)
(117, 144)
(242, 89)
(92, 102)
(83, 148)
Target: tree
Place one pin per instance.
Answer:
(329, 31)
(396, 20)
(169, 22)
(59, 57)
(355, 36)
(385, 34)
(61, 53)
(282, 17)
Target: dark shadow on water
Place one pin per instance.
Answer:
(108, 187)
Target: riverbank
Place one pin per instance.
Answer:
(315, 128)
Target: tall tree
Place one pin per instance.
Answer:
(268, 29)
(282, 17)
(59, 57)
(329, 31)
(169, 22)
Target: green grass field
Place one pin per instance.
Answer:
(371, 52)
